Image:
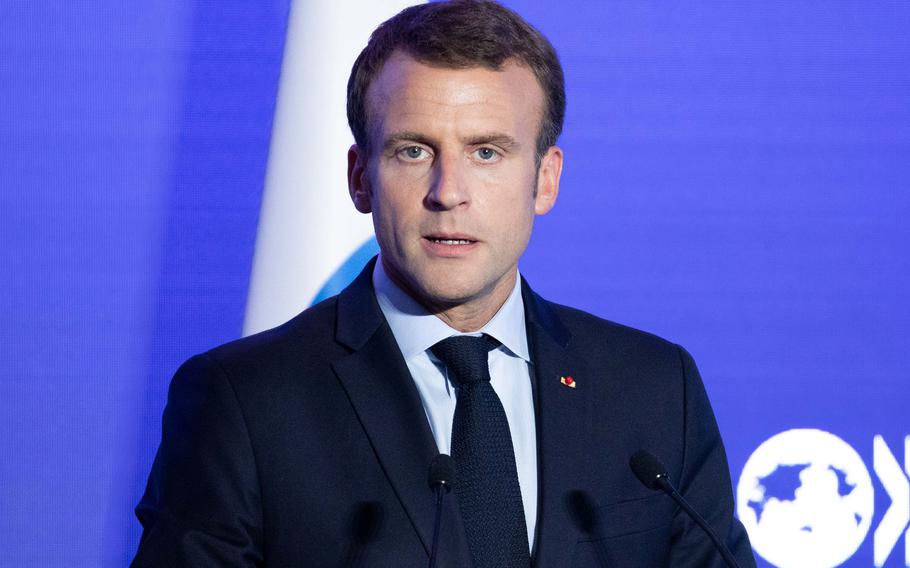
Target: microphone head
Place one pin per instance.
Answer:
(649, 470)
(442, 472)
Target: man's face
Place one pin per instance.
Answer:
(451, 179)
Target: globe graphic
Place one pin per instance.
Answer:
(806, 499)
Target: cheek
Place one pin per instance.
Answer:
(400, 186)
(511, 201)
(395, 173)
(512, 221)
(394, 217)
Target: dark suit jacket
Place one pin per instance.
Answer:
(307, 445)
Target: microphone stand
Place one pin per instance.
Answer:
(440, 494)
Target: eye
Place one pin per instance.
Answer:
(413, 153)
(486, 154)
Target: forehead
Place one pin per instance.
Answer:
(414, 96)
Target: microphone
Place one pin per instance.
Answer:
(441, 477)
(654, 475)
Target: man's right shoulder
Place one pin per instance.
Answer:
(306, 341)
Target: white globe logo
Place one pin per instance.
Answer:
(805, 497)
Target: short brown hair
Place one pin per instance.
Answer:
(460, 34)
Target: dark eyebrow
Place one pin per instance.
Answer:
(398, 137)
(504, 141)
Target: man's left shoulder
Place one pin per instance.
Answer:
(595, 335)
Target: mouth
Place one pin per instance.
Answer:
(449, 245)
(451, 240)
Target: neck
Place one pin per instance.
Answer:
(472, 315)
(469, 315)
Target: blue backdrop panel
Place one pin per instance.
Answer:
(736, 181)
(736, 176)
(134, 143)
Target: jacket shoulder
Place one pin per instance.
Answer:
(305, 340)
(592, 333)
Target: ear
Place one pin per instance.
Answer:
(359, 179)
(548, 180)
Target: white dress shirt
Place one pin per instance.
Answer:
(416, 330)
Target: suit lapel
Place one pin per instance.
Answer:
(562, 431)
(382, 392)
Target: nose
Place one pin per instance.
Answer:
(447, 186)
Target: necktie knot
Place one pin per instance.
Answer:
(465, 357)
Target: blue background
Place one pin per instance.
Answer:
(736, 180)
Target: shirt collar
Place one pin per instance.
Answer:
(416, 330)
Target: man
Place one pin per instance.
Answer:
(308, 445)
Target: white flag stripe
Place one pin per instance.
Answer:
(307, 225)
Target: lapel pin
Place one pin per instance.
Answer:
(568, 381)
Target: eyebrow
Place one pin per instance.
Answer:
(398, 137)
(504, 141)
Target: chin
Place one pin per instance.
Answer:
(449, 295)
(449, 291)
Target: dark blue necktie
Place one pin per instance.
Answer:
(487, 488)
